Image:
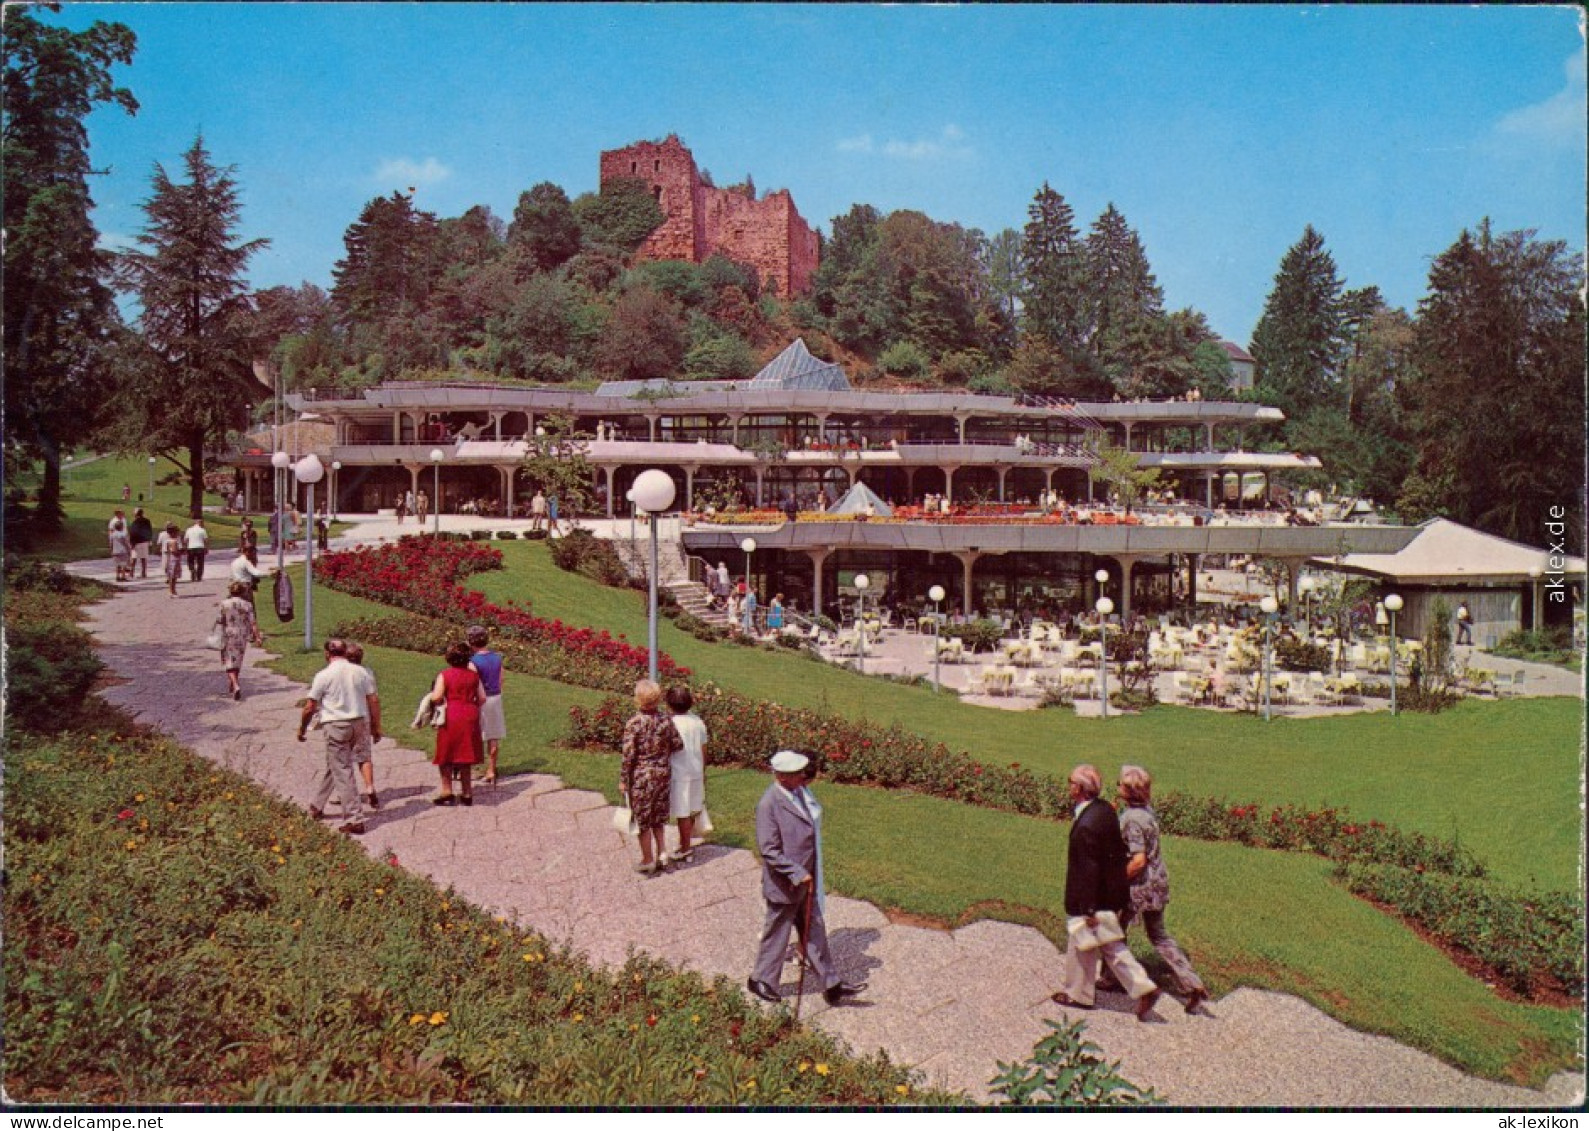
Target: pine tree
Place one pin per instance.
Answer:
(1497, 389)
(390, 264)
(1299, 344)
(60, 314)
(1054, 302)
(192, 375)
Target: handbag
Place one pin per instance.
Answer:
(703, 822)
(623, 821)
(214, 639)
(438, 715)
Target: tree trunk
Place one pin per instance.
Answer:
(196, 475)
(49, 513)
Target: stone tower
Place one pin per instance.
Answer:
(769, 234)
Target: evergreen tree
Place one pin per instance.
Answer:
(1124, 294)
(1299, 344)
(1497, 388)
(194, 377)
(390, 263)
(59, 313)
(622, 214)
(1054, 302)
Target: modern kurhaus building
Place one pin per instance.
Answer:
(799, 431)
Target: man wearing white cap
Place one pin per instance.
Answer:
(789, 838)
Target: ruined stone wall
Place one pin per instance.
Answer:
(669, 170)
(769, 234)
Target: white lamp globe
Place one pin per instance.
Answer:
(1393, 602)
(1305, 585)
(1101, 576)
(862, 582)
(280, 460)
(748, 545)
(1269, 605)
(653, 491)
(151, 461)
(309, 469)
(336, 465)
(1105, 606)
(437, 455)
(935, 593)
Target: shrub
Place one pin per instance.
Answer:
(583, 553)
(50, 667)
(1066, 1071)
(1299, 656)
(904, 359)
(507, 535)
(480, 536)
(978, 636)
(1519, 937)
(746, 732)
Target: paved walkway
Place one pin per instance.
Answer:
(951, 1003)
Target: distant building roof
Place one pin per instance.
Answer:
(797, 368)
(1234, 352)
(1448, 553)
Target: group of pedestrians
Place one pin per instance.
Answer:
(467, 700)
(663, 774)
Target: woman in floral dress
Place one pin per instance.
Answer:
(1150, 881)
(649, 741)
(238, 626)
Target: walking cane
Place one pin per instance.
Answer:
(805, 959)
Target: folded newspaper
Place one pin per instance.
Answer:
(1083, 937)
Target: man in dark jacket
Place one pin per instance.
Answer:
(1096, 890)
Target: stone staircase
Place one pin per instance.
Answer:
(673, 574)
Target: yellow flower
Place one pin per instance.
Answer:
(804, 1066)
(902, 1089)
(131, 845)
(822, 1070)
(579, 1017)
(416, 1019)
(750, 1085)
(579, 987)
(695, 1019)
(137, 797)
(275, 848)
(438, 1018)
(637, 979)
(380, 891)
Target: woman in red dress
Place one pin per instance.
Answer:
(458, 742)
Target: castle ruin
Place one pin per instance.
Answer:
(702, 220)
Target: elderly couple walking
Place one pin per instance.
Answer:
(1114, 873)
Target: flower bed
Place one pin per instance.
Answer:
(746, 731)
(421, 576)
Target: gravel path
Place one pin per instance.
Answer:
(952, 1003)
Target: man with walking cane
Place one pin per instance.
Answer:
(789, 838)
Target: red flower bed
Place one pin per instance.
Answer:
(421, 575)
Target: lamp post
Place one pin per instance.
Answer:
(66, 475)
(336, 470)
(936, 593)
(653, 493)
(1102, 578)
(1393, 604)
(436, 456)
(1269, 606)
(861, 583)
(309, 471)
(279, 461)
(1105, 606)
(151, 481)
(749, 546)
(1534, 575)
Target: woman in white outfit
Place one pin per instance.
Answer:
(687, 791)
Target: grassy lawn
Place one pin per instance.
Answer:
(1249, 917)
(1503, 778)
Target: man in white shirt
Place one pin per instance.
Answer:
(538, 511)
(197, 541)
(246, 571)
(342, 693)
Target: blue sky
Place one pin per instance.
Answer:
(1219, 131)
